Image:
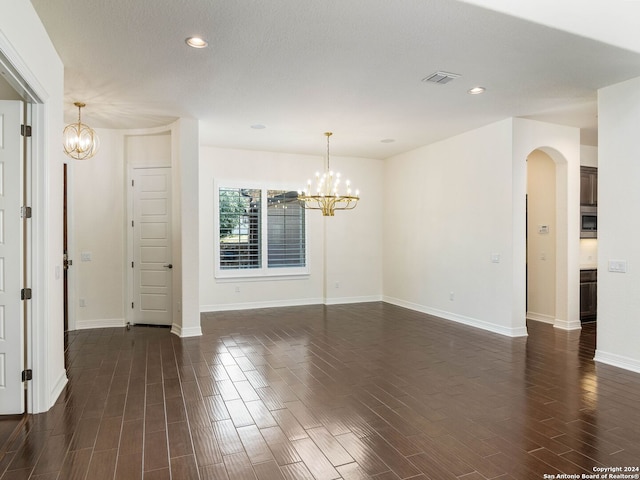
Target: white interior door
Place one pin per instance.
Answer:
(152, 267)
(11, 259)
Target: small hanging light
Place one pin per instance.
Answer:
(80, 141)
(327, 195)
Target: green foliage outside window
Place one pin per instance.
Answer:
(233, 206)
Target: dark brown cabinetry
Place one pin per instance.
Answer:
(588, 295)
(589, 186)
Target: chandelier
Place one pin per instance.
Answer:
(80, 141)
(326, 196)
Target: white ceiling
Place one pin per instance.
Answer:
(305, 67)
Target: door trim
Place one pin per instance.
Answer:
(43, 349)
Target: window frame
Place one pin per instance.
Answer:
(264, 271)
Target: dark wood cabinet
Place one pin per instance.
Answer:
(588, 295)
(588, 186)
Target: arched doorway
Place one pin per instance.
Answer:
(541, 237)
(551, 252)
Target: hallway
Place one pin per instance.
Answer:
(348, 391)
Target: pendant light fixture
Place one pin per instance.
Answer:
(80, 141)
(326, 196)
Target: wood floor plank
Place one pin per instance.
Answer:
(155, 451)
(206, 446)
(103, 465)
(344, 391)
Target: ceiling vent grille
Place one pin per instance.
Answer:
(440, 77)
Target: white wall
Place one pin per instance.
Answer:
(618, 224)
(448, 210)
(562, 144)
(462, 204)
(185, 141)
(588, 156)
(98, 224)
(541, 246)
(24, 41)
(353, 244)
(148, 149)
(97, 215)
(100, 220)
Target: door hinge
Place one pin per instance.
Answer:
(131, 264)
(25, 294)
(131, 304)
(132, 223)
(27, 375)
(132, 182)
(25, 212)
(25, 130)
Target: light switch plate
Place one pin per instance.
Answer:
(618, 266)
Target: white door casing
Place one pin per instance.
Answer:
(152, 267)
(11, 259)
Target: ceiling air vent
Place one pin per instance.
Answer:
(440, 77)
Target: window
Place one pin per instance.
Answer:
(286, 230)
(245, 248)
(239, 228)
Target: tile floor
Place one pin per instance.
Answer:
(353, 392)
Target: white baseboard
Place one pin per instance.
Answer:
(100, 323)
(252, 305)
(57, 388)
(616, 360)
(567, 324)
(541, 317)
(556, 322)
(186, 332)
(347, 300)
(472, 322)
(289, 303)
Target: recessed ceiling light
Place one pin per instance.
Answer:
(258, 126)
(387, 140)
(196, 42)
(476, 90)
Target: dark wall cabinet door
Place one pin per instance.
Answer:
(588, 295)
(588, 186)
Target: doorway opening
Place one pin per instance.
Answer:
(551, 241)
(541, 237)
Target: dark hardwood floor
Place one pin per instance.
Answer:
(358, 391)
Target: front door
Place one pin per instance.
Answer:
(151, 226)
(11, 259)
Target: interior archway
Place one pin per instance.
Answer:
(560, 311)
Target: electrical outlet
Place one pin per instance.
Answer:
(237, 289)
(83, 302)
(451, 296)
(337, 284)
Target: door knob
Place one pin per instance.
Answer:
(168, 265)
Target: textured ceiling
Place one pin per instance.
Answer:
(302, 68)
